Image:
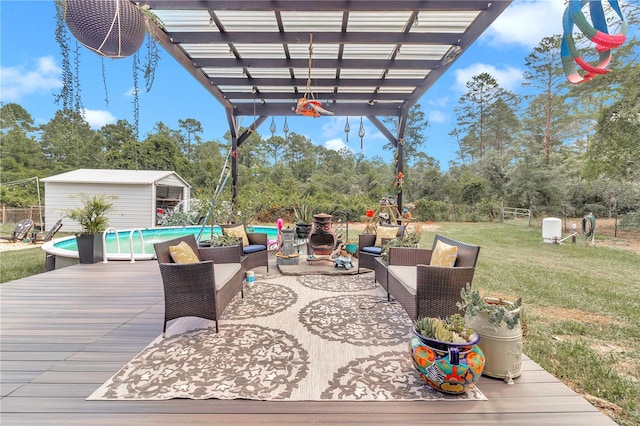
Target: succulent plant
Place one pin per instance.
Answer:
(498, 310)
(303, 214)
(451, 329)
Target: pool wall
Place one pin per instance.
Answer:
(63, 252)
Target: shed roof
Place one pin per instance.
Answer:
(118, 176)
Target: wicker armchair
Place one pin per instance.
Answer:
(257, 251)
(202, 289)
(429, 291)
(368, 251)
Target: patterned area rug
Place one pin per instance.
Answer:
(292, 338)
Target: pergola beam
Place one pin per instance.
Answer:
(405, 64)
(325, 5)
(205, 38)
(282, 109)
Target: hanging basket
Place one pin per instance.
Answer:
(111, 28)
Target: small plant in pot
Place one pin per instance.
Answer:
(498, 322)
(445, 354)
(304, 220)
(92, 217)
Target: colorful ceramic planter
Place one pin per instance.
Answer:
(447, 367)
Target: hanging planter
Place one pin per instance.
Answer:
(111, 28)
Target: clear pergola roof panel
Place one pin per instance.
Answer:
(308, 22)
(369, 57)
(247, 20)
(449, 22)
(374, 21)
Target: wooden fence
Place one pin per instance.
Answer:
(16, 214)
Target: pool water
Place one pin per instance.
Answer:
(154, 235)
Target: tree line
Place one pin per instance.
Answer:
(560, 149)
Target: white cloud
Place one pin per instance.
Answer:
(525, 23)
(98, 118)
(129, 93)
(508, 78)
(43, 76)
(440, 102)
(435, 116)
(336, 145)
(335, 126)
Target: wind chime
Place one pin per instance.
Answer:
(347, 128)
(273, 128)
(308, 105)
(361, 133)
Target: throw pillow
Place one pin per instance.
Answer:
(183, 253)
(385, 232)
(238, 232)
(444, 255)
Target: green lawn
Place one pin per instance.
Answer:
(582, 319)
(582, 307)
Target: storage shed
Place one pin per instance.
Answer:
(139, 192)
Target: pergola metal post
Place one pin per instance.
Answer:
(402, 125)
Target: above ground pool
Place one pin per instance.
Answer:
(142, 247)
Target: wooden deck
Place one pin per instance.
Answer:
(65, 332)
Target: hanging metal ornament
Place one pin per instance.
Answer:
(347, 128)
(361, 133)
(285, 128)
(272, 128)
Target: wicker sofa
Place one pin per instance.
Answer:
(202, 289)
(429, 291)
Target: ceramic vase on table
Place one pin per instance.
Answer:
(448, 367)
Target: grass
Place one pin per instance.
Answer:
(582, 317)
(581, 303)
(21, 263)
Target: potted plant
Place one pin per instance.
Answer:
(445, 353)
(109, 28)
(304, 220)
(92, 23)
(498, 323)
(351, 245)
(92, 217)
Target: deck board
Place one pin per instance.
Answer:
(65, 332)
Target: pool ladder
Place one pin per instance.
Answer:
(115, 231)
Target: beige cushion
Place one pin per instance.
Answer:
(385, 232)
(183, 253)
(444, 255)
(238, 232)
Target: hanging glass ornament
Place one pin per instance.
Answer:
(361, 132)
(285, 128)
(347, 128)
(272, 128)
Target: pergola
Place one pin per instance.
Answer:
(370, 58)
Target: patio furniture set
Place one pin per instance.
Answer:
(200, 281)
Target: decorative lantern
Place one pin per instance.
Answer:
(111, 28)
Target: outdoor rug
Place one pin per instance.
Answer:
(292, 338)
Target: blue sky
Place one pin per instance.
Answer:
(30, 75)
